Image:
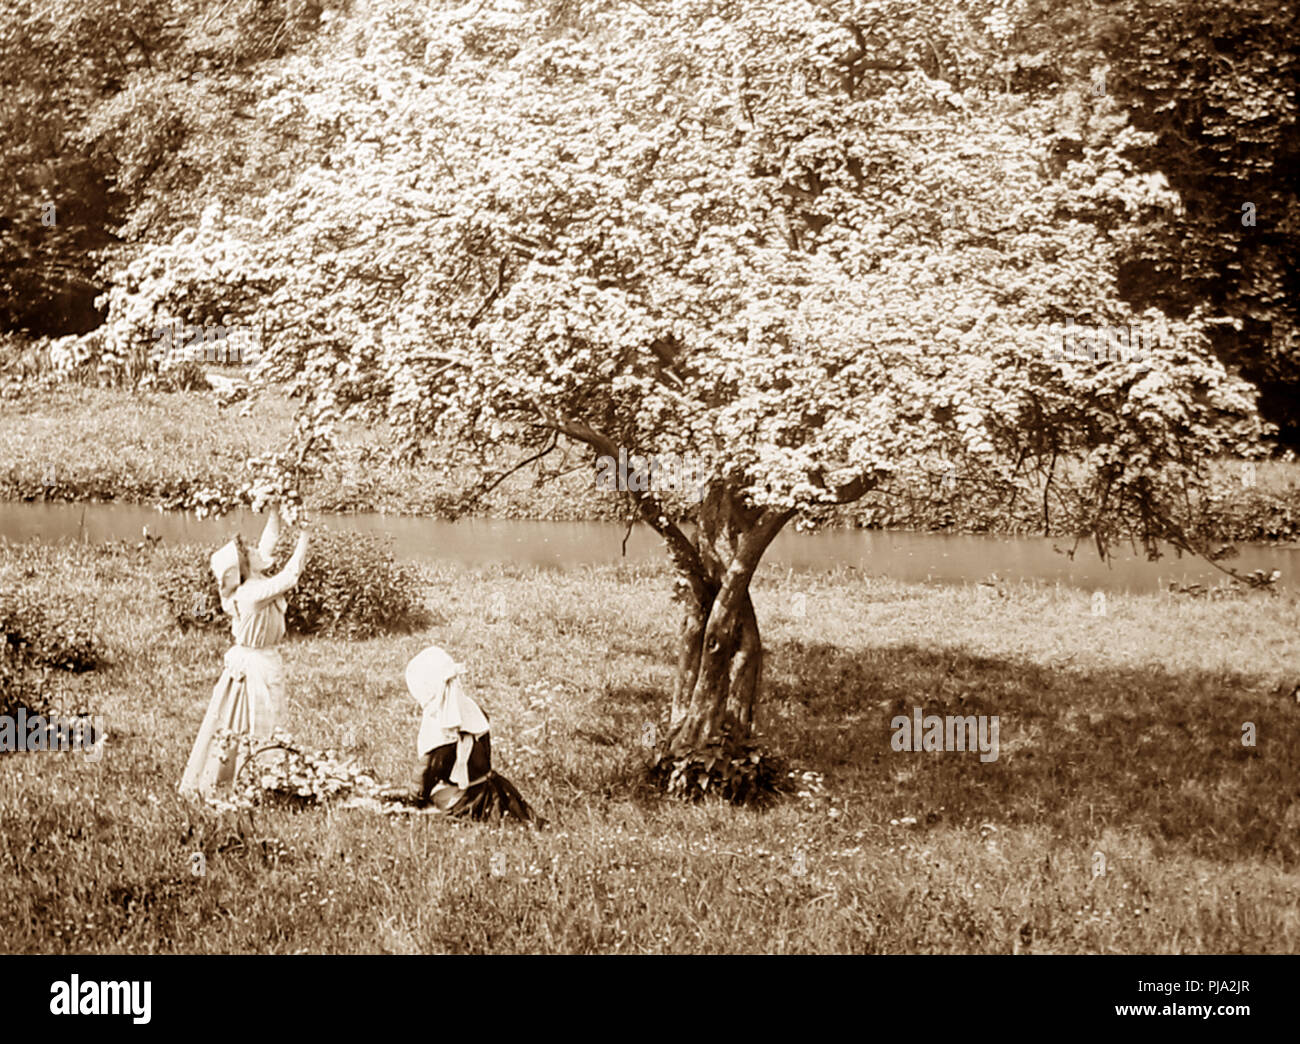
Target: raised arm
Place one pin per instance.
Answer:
(270, 534)
(273, 586)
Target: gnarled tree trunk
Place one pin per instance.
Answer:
(720, 655)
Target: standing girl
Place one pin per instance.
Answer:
(249, 697)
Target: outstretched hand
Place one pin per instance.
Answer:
(294, 514)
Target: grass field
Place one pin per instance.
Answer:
(73, 442)
(1119, 734)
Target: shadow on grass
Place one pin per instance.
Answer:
(1080, 751)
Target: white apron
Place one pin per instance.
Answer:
(248, 698)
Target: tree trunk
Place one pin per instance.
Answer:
(720, 654)
(719, 673)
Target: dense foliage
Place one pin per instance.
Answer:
(131, 116)
(57, 634)
(38, 634)
(603, 225)
(352, 586)
(1215, 86)
(743, 775)
(1218, 85)
(125, 117)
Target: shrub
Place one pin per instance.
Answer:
(18, 687)
(48, 631)
(188, 589)
(40, 632)
(352, 586)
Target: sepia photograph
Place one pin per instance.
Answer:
(650, 477)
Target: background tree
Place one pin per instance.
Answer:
(760, 236)
(128, 116)
(1215, 85)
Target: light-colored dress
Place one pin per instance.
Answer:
(249, 698)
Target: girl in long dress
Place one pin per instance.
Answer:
(454, 741)
(249, 697)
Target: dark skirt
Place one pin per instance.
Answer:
(492, 797)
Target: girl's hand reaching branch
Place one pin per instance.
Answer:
(295, 514)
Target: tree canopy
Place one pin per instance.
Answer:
(767, 237)
(764, 237)
(123, 119)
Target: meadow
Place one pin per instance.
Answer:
(79, 442)
(1120, 734)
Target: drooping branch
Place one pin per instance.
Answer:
(487, 487)
(855, 489)
(492, 295)
(683, 552)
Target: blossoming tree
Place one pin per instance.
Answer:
(804, 245)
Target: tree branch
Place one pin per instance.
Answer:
(684, 554)
(483, 491)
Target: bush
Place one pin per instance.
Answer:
(40, 632)
(18, 687)
(352, 586)
(46, 631)
(188, 589)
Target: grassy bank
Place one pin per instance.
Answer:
(81, 443)
(1119, 734)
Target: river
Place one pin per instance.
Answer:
(932, 557)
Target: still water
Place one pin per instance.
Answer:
(934, 557)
